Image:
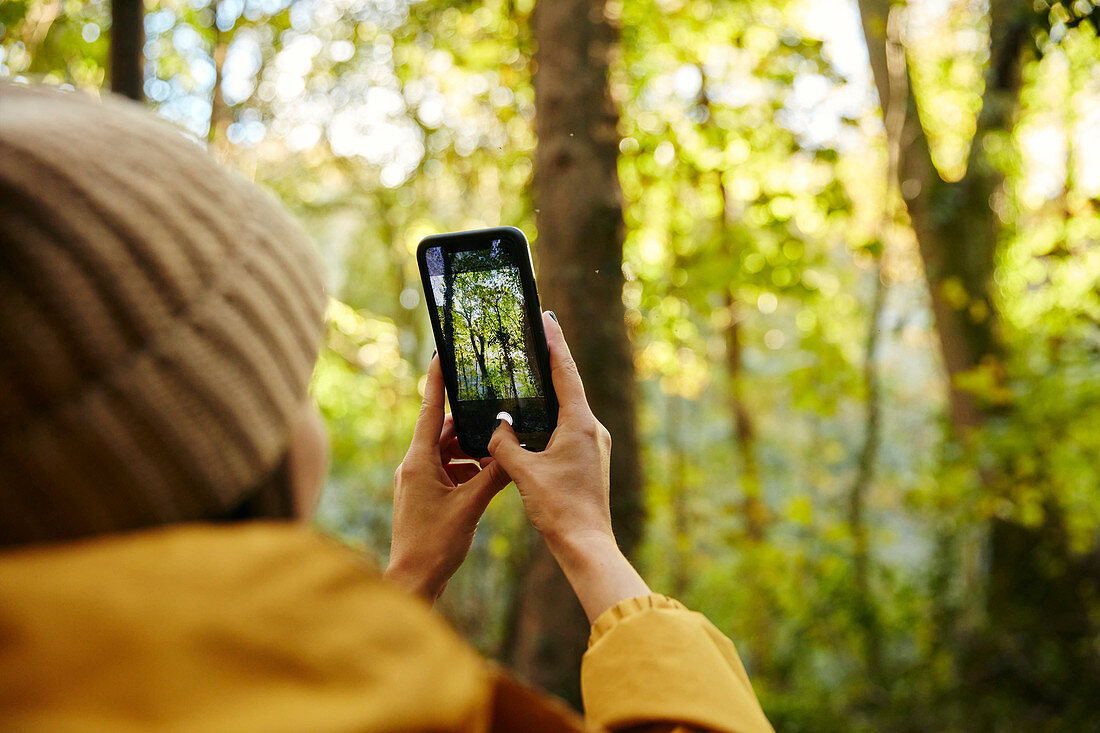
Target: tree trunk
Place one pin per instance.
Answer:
(580, 274)
(219, 110)
(1036, 594)
(482, 367)
(504, 339)
(954, 223)
(894, 106)
(753, 509)
(677, 489)
(448, 300)
(744, 431)
(127, 41)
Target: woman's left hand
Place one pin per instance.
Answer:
(437, 502)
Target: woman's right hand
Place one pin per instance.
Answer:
(566, 488)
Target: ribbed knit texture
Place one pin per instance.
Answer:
(159, 321)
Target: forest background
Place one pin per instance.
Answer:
(831, 271)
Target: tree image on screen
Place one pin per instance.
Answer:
(483, 318)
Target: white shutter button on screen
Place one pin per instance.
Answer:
(507, 417)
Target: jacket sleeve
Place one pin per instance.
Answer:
(653, 662)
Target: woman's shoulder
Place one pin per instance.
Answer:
(213, 625)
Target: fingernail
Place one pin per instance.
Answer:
(551, 314)
(505, 417)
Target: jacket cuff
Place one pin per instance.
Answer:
(628, 607)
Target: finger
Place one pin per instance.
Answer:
(429, 424)
(504, 447)
(450, 452)
(449, 447)
(456, 452)
(487, 484)
(563, 370)
(448, 441)
(447, 433)
(460, 473)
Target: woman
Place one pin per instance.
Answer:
(160, 320)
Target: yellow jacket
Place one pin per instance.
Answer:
(270, 627)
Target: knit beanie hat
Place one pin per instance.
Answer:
(159, 321)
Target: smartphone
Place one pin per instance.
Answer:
(484, 307)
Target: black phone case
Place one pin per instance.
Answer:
(475, 239)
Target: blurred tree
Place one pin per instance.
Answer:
(219, 110)
(127, 40)
(865, 604)
(579, 219)
(1031, 568)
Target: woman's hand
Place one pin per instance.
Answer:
(436, 502)
(566, 488)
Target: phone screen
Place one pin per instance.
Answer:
(488, 341)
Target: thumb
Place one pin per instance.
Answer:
(504, 447)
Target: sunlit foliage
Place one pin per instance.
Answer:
(753, 173)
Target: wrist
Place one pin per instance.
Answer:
(412, 577)
(578, 549)
(597, 570)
